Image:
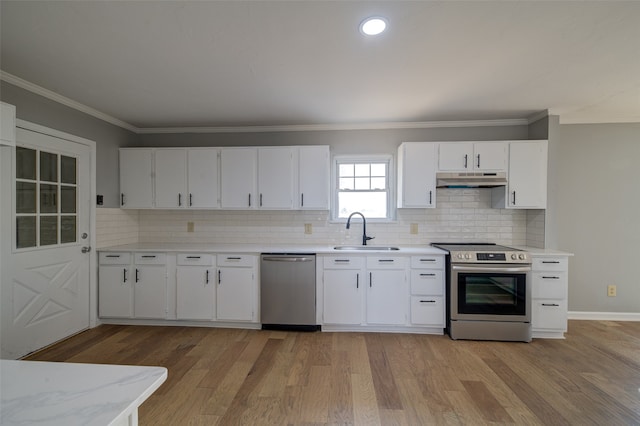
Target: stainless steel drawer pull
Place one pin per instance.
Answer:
(342, 261)
(193, 257)
(427, 275)
(149, 256)
(427, 260)
(207, 277)
(113, 255)
(550, 304)
(427, 301)
(234, 258)
(124, 275)
(550, 278)
(550, 261)
(386, 260)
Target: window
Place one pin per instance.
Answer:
(363, 185)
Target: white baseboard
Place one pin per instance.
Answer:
(605, 316)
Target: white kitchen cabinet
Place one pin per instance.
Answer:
(275, 178)
(203, 181)
(472, 156)
(7, 124)
(527, 179)
(550, 288)
(136, 178)
(238, 175)
(115, 291)
(237, 290)
(313, 178)
(170, 178)
(428, 291)
(343, 289)
(387, 291)
(150, 285)
(417, 175)
(195, 286)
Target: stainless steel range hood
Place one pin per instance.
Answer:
(471, 180)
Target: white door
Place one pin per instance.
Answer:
(204, 184)
(136, 178)
(313, 178)
(418, 174)
(238, 168)
(46, 210)
(455, 156)
(235, 294)
(171, 178)
(490, 156)
(275, 178)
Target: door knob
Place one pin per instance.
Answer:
(86, 249)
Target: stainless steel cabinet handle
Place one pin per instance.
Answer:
(193, 257)
(550, 277)
(179, 200)
(137, 277)
(260, 199)
(427, 275)
(148, 256)
(219, 276)
(301, 200)
(357, 280)
(207, 277)
(113, 255)
(550, 261)
(287, 259)
(514, 198)
(234, 258)
(190, 199)
(370, 279)
(478, 161)
(430, 197)
(124, 275)
(341, 261)
(386, 260)
(427, 260)
(249, 200)
(427, 301)
(550, 304)
(121, 199)
(466, 160)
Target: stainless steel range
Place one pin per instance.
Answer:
(488, 292)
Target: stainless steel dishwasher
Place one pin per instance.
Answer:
(288, 291)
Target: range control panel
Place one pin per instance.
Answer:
(490, 257)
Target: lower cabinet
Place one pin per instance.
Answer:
(150, 286)
(387, 290)
(195, 287)
(549, 296)
(428, 291)
(343, 288)
(115, 291)
(237, 289)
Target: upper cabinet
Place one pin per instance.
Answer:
(417, 175)
(472, 156)
(7, 124)
(275, 178)
(203, 179)
(238, 168)
(136, 178)
(527, 179)
(170, 177)
(313, 178)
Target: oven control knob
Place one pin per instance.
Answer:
(514, 256)
(522, 257)
(467, 256)
(459, 255)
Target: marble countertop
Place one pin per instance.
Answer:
(58, 393)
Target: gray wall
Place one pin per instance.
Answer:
(598, 213)
(40, 110)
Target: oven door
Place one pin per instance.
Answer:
(491, 292)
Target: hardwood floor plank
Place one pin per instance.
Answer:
(365, 405)
(340, 409)
(485, 401)
(383, 380)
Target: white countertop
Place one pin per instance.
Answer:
(534, 251)
(264, 248)
(58, 393)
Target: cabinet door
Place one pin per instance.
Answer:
(238, 177)
(313, 178)
(195, 296)
(114, 291)
(387, 297)
(527, 187)
(171, 178)
(490, 156)
(150, 292)
(275, 178)
(203, 181)
(455, 156)
(417, 175)
(136, 178)
(428, 311)
(236, 294)
(342, 297)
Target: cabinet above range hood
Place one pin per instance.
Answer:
(471, 180)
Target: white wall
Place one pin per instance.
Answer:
(598, 213)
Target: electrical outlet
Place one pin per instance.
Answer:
(413, 229)
(308, 228)
(190, 227)
(611, 290)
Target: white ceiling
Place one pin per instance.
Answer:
(234, 63)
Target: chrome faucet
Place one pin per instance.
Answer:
(364, 228)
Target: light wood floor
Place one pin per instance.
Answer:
(228, 377)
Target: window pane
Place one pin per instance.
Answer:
(378, 169)
(25, 163)
(346, 170)
(346, 183)
(68, 201)
(68, 229)
(67, 169)
(378, 183)
(48, 198)
(25, 231)
(362, 170)
(25, 197)
(48, 230)
(370, 204)
(362, 183)
(48, 167)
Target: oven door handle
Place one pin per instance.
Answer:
(493, 268)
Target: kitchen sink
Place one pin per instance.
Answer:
(373, 248)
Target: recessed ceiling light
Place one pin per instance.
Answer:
(373, 26)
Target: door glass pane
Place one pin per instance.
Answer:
(48, 230)
(25, 231)
(25, 197)
(25, 163)
(68, 229)
(48, 198)
(68, 200)
(67, 169)
(48, 167)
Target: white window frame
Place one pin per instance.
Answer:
(365, 158)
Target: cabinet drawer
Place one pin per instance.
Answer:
(427, 282)
(115, 258)
(549, 264)
(427, 262)
(427, 310)
(343, 262)
(237, 260)
(196, 259)
(150, 258)
(386, 262)
(550, 285)
(549, 314)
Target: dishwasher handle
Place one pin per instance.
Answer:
(287, 259)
